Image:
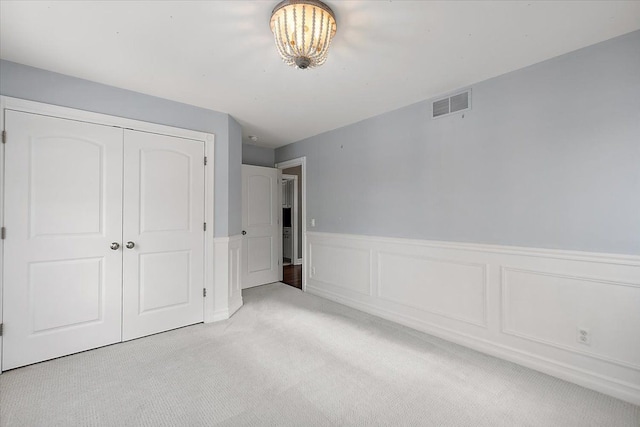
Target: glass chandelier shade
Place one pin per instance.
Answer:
(303, 30)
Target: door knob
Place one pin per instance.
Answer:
(130, 245)
(115, 246)
(244, 232)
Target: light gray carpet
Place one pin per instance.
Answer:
(288, 358)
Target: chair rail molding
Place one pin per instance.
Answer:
(525, 305)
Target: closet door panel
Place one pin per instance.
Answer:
(63, 198)
(163, 220)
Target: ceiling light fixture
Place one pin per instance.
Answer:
(303, 30)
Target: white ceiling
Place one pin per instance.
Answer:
(220, 54)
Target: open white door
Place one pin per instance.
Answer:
(261, 229)
(163, 235)
(63, 260)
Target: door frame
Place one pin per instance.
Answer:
(300, 161)
(294, 213)
(25, 106)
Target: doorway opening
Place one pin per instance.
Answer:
(293, 221)
(290, 235)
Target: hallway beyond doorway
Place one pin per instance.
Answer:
(292, 275)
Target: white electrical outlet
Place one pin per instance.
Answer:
(313, 222)
(584, 336)
(313, 271)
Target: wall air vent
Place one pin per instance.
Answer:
(441, 107)
(452, 104)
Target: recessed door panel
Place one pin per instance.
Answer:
(259, 200)
(262, 237)
(163, 220)
(164, 280)
(63, 193)
(65, 174)
(165, 197)
(75, 286)
(260, 249)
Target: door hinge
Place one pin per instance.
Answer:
(1, 329)
(4, 136)
(204, 292)
(3, 233)
(205, 160)
(204, 226)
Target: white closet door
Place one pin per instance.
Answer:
(163, 221)
(63, 193)
(262, 234)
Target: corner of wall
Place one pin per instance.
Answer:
(235, 177)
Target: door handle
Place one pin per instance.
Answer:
(115, 246)
(244, 232)
(130, 245)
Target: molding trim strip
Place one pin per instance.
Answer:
(524, 305)
(633, 260)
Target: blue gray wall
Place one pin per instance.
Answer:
(258, 156)
(548, 157)
(34, 84)
(235, 177)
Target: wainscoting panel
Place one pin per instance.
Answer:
(235, 274)
(526, 305)
(448, 288)
(227, 295)
(608, 311)
(353, 273)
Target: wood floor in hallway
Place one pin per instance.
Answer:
(292, 275)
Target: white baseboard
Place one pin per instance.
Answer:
(523, 305)
(224, 314)
(219, 315)
(235, 306)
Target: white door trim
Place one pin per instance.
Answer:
(2, 105)
(17, 104)
(296, 259)
(294, 213)
(301, 161)
(23, 105)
